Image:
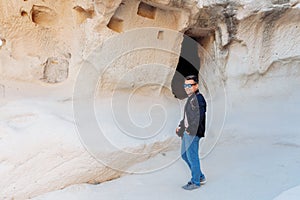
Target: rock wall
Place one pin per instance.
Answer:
(43, 44)
(35, 31)
(249, 49)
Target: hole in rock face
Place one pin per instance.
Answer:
(116, 24)
(2, 42)
(146, 10)
(83, 14)
(24, 13)
(160, 35)
(43, 15)
(188, 64)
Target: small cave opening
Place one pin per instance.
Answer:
(2, 42)
(83, 14)
(24, 13)
(116, 24)
(43, 15)
(146, 10)
(188, 64)
(160, 35)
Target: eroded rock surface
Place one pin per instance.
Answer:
(250, 47)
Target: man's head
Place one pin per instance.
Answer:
(191, 84)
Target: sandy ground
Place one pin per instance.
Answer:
(249, 167)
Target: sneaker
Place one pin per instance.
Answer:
(190, 186)
(202, 180)
(189, 183)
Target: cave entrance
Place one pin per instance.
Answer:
(190, 59)
(188, 64)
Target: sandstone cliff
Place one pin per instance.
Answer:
(249, 49)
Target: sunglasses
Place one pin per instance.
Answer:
(189, 85)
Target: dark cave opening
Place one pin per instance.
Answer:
(188, 64)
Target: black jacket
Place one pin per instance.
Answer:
(195, 109)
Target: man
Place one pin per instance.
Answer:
(191, 129)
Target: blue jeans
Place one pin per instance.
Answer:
(189, 153)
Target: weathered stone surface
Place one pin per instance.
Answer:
(56, 70)
(251, 47)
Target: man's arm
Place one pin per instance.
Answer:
(202, 106)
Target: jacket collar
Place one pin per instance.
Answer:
(194, 94)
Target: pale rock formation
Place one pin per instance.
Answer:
(250, 49)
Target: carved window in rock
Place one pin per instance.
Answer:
(146, 10)
(116, 24)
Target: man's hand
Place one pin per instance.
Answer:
(179, 132)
